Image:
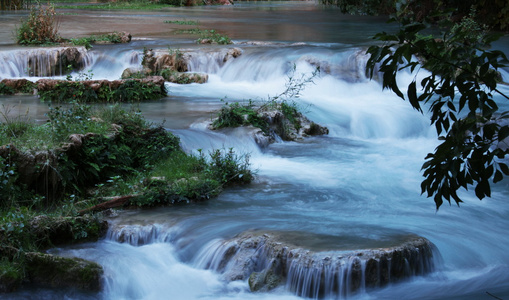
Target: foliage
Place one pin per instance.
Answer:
(13, 228)
(493, 13)
(182, 22)
(77, 119)
(113, 38)
(182, 178)
(236, 114)
(229, 168)
(132, 147)
(6, 90)
(41, 27)
(13, 4)
(8, 187)
(131, 5)
(77, 90)
(136, 90)
(369, 7)
(459, 94)
(214, 37)
(207, 36)
(174, 2)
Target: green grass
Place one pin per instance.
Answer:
(25, 135)
(182, 22)
(210, 35)
(116, 6)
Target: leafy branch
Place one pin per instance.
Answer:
(459, 94)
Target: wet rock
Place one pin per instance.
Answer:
(268, 259)
(232, 53)
(281, 127)
(61, 272)
(185, 78)
(263, 281)
(70, 56)
(134, 73)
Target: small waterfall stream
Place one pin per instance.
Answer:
(356, 188)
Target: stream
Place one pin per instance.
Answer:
(355, 188)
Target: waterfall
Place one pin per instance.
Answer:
(42, 62)
(310, 274)
(138, 235)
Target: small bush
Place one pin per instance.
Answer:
(134, 90)
(230, 168)
(6, 90)
(78, 91)
(182, 22)
(236, 114)
(41, 27)
(212, 36)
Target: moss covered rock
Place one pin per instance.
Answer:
(62, 272)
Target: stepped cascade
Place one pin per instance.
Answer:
(332, 216)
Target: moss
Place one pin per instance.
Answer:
(11, 275)
(55, 271)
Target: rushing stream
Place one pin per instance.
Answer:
(357, 187)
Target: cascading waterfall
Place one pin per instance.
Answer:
(358, 187)
(41, 62)
(328, 274)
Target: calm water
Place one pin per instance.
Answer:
(360, 184)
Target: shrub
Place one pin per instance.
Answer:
(230, 168)
(41, 27)
(212, 36)
(236, 114)
(5, 89)
(134, 90)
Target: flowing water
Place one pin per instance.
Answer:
(357, 187)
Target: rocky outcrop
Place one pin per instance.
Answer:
(62, 272)
(175, 65)
(49, 270)
(293, 128)
(267, 260)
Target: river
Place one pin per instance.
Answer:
(357, 186)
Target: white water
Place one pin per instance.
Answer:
(360, 181)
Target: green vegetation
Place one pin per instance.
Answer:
(41, 27)
(237, 114)
(207, 36)
(118, 5)
(13, 4)
(6, 90)
(52, 173)
(493, 13)
(82, 89)
(459, 93)
(112, 38)
(182, 22)
(213, 37)
(366, 7)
